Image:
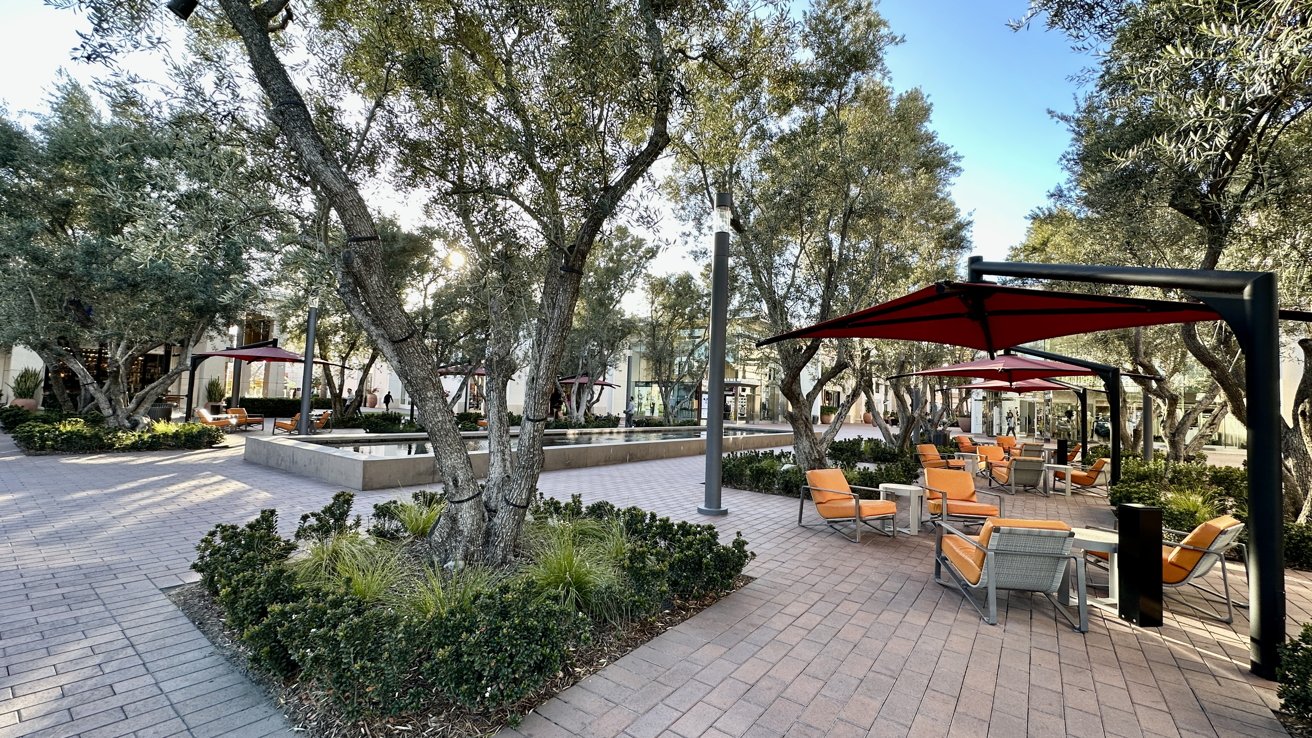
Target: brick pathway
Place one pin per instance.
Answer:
(832, 638)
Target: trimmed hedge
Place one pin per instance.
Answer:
(12, 417)
(775, 472)
(281, 407)
(1295, 675)
(596, 421)
(659, 422)
(492, 645)
(76, 435)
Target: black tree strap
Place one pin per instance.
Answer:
(521, 507)
(362, 239)
(542, 419)
(406, 337)
(474, 496)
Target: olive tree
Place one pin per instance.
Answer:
(123, 233)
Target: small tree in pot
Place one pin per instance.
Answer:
(214, 394)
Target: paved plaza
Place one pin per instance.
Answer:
(832, 638)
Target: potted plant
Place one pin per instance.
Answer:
(26, 386)
(214, 395)
(827, 413)
(963, 422)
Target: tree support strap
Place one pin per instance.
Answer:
(474, 496)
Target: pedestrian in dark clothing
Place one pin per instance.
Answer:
(387, 401)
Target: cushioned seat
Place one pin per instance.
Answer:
(931, 459)
(964, 507)
(843, 508)
(836, 502)
(1010, 553)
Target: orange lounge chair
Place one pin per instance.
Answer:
(991, 457)
(1023, 555)
(1008, 443)
(1071, 453)
(294, 424)
(205, 417)
(836, 503)
(1087, 479)
(244, 421)
(1199, 550)
(951, 493)
(931, 459)
(966, 445)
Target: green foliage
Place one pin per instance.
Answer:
(417, 518)
(1141, 493)
(1185, 511)
(1298, 546)
(774, 472)
(371, 571)
(214, 390)
(26, 384)
(246, 600)
(386, 522)
(435, 592)
(569, 568)
(333, 520)
(1294, 675)
(12, 416)
(1098, 451)
(230, 550)
(828, 409)
(76, 435)
(503, 647)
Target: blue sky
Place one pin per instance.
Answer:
(991, 89)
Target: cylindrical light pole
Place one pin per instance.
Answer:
(307, 374)
(715, 369)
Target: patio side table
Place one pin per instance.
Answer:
(1050, 477)
(1095, 539)
(915, 507)
(972, 461)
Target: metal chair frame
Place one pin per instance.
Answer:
(857, 520)
(989, 575)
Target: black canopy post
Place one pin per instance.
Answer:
(1247, 303)
(1111, 379)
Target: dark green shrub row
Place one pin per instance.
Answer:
(382, 657)
(76, 435)
(281, 407)
(774, 472)
(686, 560)
(659, 422)
(385, 422)
(11, 417)
(1298, 546)
(596, 421)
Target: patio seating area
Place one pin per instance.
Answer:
(831, 638)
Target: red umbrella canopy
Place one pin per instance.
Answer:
(583, 379)
(263, 353)
(1027, 385)
(990, 317)
(1007, 368)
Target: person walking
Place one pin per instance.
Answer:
(1011, 423)
(387, 402)
(629, 410)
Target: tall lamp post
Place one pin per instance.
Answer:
(715, 392)
(307, 374)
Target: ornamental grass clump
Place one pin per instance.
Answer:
(568, 565)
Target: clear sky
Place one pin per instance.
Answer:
(991, 89)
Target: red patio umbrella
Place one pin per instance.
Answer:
(583, 379)
(990, 317)
(263, 353)
(1027, 385)
(1007, 368)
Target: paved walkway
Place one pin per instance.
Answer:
(832, 638)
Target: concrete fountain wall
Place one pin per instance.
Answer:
(323, 457)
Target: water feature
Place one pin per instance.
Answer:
(412, 448)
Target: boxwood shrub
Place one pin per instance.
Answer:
(76, 435)
(774, 472)
(1295, 675)
(281, 407)
(485, 647)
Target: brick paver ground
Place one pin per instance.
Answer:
(832, 638)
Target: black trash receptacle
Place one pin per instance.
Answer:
(940, 438)
(160, 411)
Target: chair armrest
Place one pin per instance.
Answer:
(952, 530)
(857, 486)
(854, 495)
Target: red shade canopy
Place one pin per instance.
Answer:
(1006, 368)
(1028, 385)
(583, 379)
(263, 353)
(990, 317)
